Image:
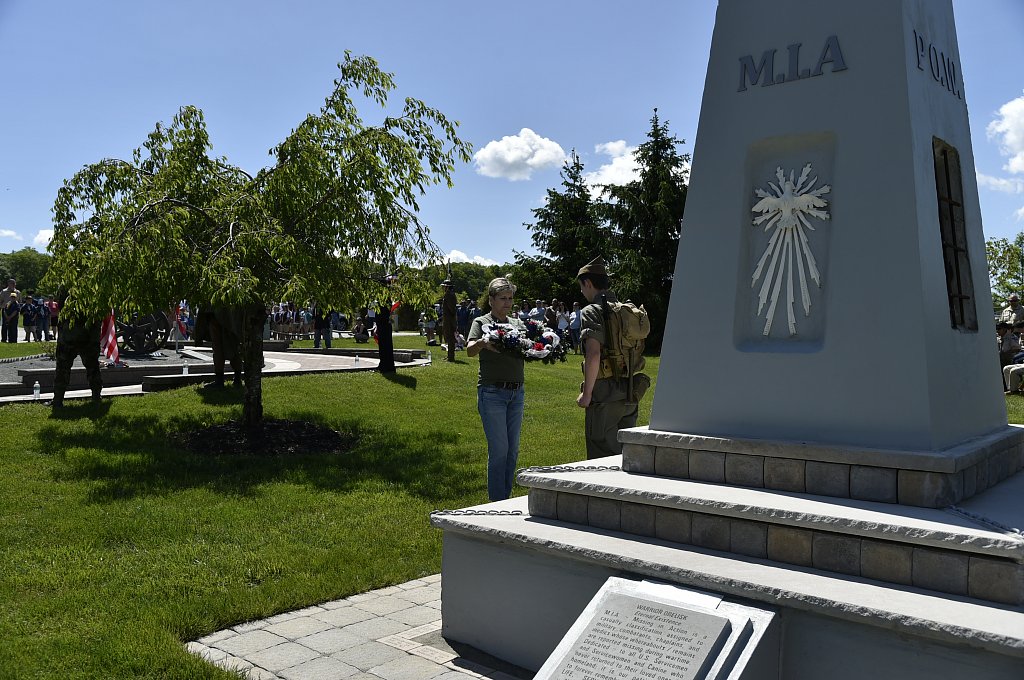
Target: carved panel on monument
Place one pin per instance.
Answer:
(787, 210)
(784, 251)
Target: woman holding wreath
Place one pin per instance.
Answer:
(499, 389)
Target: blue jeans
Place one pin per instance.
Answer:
(501, 412)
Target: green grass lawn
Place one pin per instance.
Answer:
(23, 349)
(1015, 408)
(119, 546)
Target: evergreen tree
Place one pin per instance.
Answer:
(646, 215)
(569, 231)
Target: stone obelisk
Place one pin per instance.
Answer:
(828, 440)
(831, 291)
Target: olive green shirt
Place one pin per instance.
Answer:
(592, 324)
(502, 366)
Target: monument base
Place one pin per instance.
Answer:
(931, 479)
(854, 585)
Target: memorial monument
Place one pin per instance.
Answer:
(828, 441)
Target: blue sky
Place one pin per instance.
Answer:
(529, 81)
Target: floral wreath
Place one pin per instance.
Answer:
(538, 343)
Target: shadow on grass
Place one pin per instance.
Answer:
(131, 456)
(401, 379)
(76, 410)
(226, 395)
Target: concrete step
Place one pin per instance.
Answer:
(115, 375)
(401, 355)
(9, 388)
(958, 551)
(926, 478)
(157, 383)
(522, 546)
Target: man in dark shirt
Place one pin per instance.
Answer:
(9, 317)
(29, 312)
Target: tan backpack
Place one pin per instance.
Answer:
(626, 328)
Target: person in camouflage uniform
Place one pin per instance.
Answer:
(448, 313)
(224, 334)
(610, 404)
(77, 337)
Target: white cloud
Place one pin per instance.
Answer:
(621, 169)
(1006, 185)
(1008, 129)
(459, 256)
(516, 157)
(7, 233)
(43, 237)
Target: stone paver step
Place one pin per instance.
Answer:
(951, 550)
(949, 528)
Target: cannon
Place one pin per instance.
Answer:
(144, 333)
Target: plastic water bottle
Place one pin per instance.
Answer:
(184, 368)
(35, 390)
(429, 357)
(357, 360)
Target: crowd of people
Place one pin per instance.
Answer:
(465, 313)
(555, 315)
(1009, 333)
(36, 315)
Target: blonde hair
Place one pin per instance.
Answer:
(500, 285)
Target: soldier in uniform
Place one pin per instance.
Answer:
(216, 326)
(606, 398)
(448, 305)
(77, 336)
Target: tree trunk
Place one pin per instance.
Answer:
(385, 343)
(251, 319)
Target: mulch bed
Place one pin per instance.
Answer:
(269, 438)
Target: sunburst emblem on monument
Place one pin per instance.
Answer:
(787, 209)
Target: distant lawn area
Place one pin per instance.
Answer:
(23, 349)
(119, 546)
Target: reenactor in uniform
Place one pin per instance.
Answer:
(612, 384)
(224, 336)
(78, 336)
(448, 322)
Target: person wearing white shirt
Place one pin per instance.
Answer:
(538, 311)
(575, 323)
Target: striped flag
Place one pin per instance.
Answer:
(108, 340)
(181, 324)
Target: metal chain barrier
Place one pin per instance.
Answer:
(11, 360)
(477, 512)
(570, 468)
(985, 520)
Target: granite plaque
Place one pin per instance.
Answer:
(624, 634)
